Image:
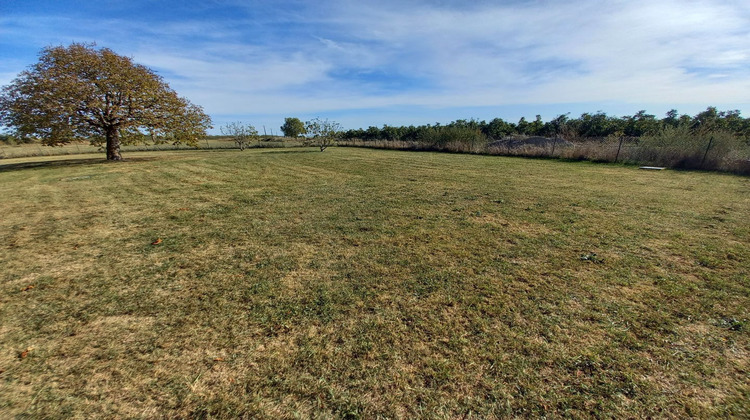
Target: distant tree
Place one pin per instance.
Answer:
(410, 133)
(640, 124)
(712, 120)
(389, 132)
(734, 123)
(470, 124)
(372, 133)
(559, 125)
(293, 127)
(323, 132)
(81, 92)
(355, 133)
(671, 119)
(707, 120)
(522, 126)
(497, 129)
(597, 125)
(242, 134)
(536, 128)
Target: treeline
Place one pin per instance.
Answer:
(596, 125)
(710, 140)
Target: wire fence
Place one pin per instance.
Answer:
(710, 153)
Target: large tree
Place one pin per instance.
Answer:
(81, 92)
(293, 127)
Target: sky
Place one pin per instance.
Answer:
(402, 62)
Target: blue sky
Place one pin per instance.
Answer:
(406, 62)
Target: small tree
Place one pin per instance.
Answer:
(293, 127)
(80, 92)
(243, 135)
(323, 132)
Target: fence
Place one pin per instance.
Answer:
(717, 152)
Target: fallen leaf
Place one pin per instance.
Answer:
(27, 288)
(25, 353)
(156, 242)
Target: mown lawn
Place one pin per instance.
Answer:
(362, 283)
(8, 151)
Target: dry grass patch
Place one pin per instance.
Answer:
(361, 283)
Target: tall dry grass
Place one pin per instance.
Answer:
(673, 147)
(680, 147)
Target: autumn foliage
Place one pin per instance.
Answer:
(81, 92)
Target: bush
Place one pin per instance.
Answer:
(681, 147)
(455, 139)
(675, 146)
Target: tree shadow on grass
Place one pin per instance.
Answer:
(64, 163)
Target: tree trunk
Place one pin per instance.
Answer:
(113, 144)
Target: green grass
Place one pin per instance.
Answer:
(360, 283)
(8, 151)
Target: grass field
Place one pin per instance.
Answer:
(8, 151)
(360, 283)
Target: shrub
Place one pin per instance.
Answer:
(681, 147)
(451, 138)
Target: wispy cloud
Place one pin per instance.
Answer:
(265, 58)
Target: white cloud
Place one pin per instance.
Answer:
(313, 58)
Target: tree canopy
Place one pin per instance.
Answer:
(323, 131)
(80, 92)
(293, 127)
(597, 125)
